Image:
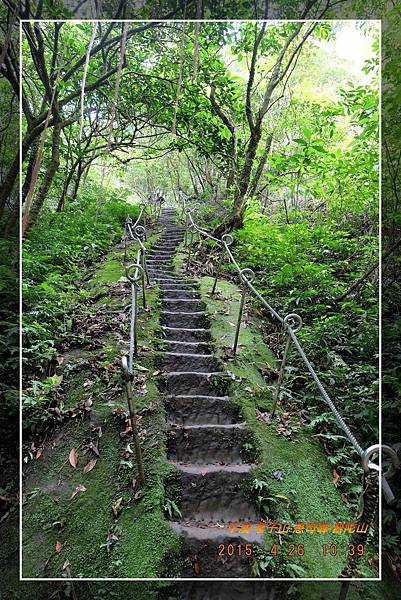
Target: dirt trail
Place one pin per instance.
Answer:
(205, 437)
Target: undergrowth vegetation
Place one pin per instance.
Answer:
(305, 267)
(55, 254)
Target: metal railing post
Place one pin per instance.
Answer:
(297, 322)
(145, 266)
(132, 412)
(216, 276)
(249, 275)
(186, 230)
(134, 278)
(133, 332)
(128, 222)
(189, 256)
(140, 233)
(228, 239)
(143, 282)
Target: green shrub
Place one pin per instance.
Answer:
(55, 252)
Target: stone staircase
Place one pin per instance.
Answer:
(205, 435)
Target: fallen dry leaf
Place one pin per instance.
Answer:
(89, 466)
(115, 507)
(336, 477)
(156, 372)
(73, 458)
(196, 566)
(78, 489)
(59, 546)
(138, 495)
(38, 454)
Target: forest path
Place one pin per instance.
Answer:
(193, 400)
(205, 435)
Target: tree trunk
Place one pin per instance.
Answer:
(9, 182)
(67, 181)
(29, 172)
(237, 217)
(261, 166)
(12, 220)
(47, 180)
(77, 181)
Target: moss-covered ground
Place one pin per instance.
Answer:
(112, 527)
(297, 482)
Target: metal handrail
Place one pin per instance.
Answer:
(291, 323)
(137, 273)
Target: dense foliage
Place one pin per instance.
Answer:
(54, 257)
(294, 173)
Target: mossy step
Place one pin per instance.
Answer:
(202, 542)
(183, 304)
(193, 383)
(208, 444)
(177, 282)
(186, 319)
(175, 361)
(179, 294)
(229, 590)
(200, 410)
(215, 494)
(188, 347)
(186, 334)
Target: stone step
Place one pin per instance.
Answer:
(216, 493)
(175, 361)
(238, 589)
(154, 250)
(177, 283)
(208, 444)
(159, 261)
(162, 243)
(186, 319)
(160, 257)
(200, 410)
(186, 334)
(164, 247)
(157, 270)
(203, 543)
(183, 304)
(179, 294)
(188, 347)
(194, 383)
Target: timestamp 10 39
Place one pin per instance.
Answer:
(246, 550)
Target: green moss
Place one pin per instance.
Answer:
(110, 271)
(143, 544)
(361, 590)
(53, 515)
(307, 489)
